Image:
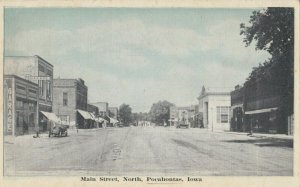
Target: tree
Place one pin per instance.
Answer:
(140, 116)
(125, 114)
(273, 31)
(160, 112)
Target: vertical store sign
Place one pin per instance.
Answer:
(9, 105)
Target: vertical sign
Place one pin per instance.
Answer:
(9, 106)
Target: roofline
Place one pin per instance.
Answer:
(213, 93)
(18, 77)
(70, 79)
(43, 60)
(34, 56)
(64, 79)
(99, 102)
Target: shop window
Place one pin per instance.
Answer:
(48, 90)
(222, 114)
(31, 119)
(19, 119)
(49, 72)
(41, 87)
(21, 88)
(41, 68)
(19, 104)
(32, 91)
(31, 106)
(65, 99)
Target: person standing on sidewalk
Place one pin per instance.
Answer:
(251, 128)
(37, 129)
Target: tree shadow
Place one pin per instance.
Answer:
(265, 142)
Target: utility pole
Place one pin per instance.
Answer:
(212, 120)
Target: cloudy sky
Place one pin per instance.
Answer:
(137, 56)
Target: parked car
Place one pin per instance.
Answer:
(182, 124)
(59, 130)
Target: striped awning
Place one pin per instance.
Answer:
(51, 116)
(85, 114)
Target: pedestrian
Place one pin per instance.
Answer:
(251, 128)
(37, 129)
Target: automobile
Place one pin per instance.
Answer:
(59, 130)
(182, 124)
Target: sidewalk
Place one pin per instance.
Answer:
(30, 137)
(261, 135)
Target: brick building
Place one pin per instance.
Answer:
(257, 107)
(70, 100)
(103, 108)
(93, 109)
(20, 106)
(37, 70)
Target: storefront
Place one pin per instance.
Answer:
(20, 106)
(263, 120)
(84, 120)
(48, 118)
(113, 122)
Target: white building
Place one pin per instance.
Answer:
(215, 103)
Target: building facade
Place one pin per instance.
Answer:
(173, 116)
(103, 108)
(214, 104)
(113, 111)
(257, 107)
(38, 71)
(93, 109)
(183, 115)
(69, 96)
(20, 106)
(237, 110)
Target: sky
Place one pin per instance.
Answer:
(137, 56)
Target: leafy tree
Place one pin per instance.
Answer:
(273, 31)
(160, 112)
(140, 116)
(125, 114)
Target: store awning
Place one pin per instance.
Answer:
(84, 114)
(260, 111)
(51, 116)
(93, 116)
(112, 120)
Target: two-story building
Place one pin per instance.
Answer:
(70, 102)
(20, 106)
(103, 108)
(39, 71)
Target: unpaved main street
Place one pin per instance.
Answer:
(144, 151)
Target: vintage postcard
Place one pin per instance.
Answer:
(102, 93)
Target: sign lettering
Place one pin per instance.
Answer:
(9, 108)
(39, 78)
